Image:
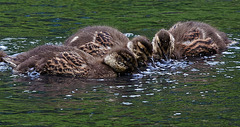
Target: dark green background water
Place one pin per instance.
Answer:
(203, 92)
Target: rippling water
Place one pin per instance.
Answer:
(199, 92)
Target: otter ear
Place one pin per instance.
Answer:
(130, 45)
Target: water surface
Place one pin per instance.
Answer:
(199, 92)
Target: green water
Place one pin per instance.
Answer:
(203, 92)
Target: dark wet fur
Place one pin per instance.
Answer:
(64, 60)
(86, 35)
(164, 39)
(128, 57)
(180, 29)
(2, 54)
(146, 42)
(144, 52)
(98, 40)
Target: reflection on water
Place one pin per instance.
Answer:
(190, 92)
